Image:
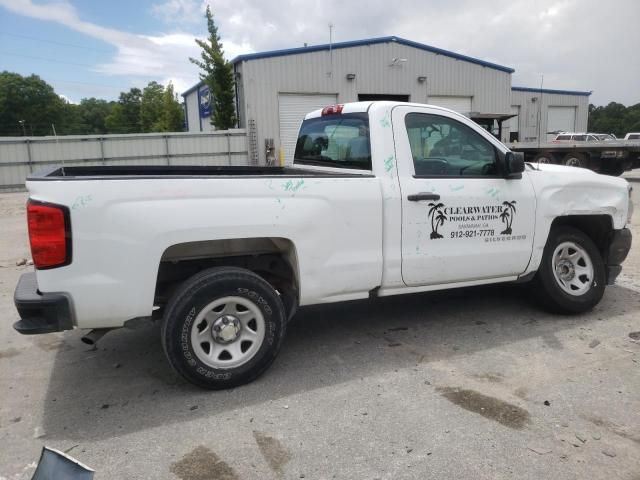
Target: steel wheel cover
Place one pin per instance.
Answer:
(572, 268)
(228, 332)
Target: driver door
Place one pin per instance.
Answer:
(462, 220)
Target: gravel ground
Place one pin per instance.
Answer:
(474, 383)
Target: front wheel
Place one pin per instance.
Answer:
(571, 277)
(543, 158)
(223, 327)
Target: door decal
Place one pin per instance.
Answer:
(508, 212)
(473, 221)
(437, 218)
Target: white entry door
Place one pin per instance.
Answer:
(292, 109)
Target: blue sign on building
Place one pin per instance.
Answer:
(205, 100)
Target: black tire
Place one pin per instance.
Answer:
(544, 158)
(614, 170)
(575, 160)
(192, 297)
(548, 290)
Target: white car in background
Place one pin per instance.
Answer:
(583, 137)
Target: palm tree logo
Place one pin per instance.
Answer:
(437, 218)
(508, 212)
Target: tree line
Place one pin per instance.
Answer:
(614, 118)
(30, 106)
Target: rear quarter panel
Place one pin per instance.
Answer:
(120, 229)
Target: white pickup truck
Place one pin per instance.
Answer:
(383, 198)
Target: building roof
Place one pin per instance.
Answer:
(191, 89)
(547, 90)
(369, 41)
(360, 43)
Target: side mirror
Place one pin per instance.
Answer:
(514, 163)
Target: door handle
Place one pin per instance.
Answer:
(416, 197)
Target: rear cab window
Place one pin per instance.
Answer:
(340, 140)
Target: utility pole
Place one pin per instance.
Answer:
(540, 112)
(330, 49)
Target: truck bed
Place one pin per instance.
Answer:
(180, 171)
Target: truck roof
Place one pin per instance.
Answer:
(362, 107)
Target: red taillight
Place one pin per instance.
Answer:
(49, 234)
(332, 110)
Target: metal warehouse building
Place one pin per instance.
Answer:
(274, 90)
(544, 112)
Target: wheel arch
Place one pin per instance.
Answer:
(273, 258)
(598, 227)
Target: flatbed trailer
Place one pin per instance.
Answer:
(611, 157)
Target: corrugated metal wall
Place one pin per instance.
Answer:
(261, 81)
(193, 113)
(20, 156)
(528, 118)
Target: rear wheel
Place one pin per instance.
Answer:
(571, 277)
(223, 327)
(615, 170)
(575, 160)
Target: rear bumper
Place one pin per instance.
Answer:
(40, 312)
(619, 247)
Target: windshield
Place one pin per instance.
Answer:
(335, 141)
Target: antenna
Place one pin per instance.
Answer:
(53, 127)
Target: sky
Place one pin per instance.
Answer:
(98, 48)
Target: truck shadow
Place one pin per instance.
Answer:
(126, 385)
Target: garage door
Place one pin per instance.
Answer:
(292, 109)
(561, 119)
(458, 104)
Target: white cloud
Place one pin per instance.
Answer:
(179, 11)
(67, 99)
(139, 57)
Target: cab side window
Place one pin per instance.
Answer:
(443, 147)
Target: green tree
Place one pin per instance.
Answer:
(125, 115)
(71, 121)
(614, 118)
(217, 74)
(151, 106)
(91, 114)
(172, 114)
(29, 100)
